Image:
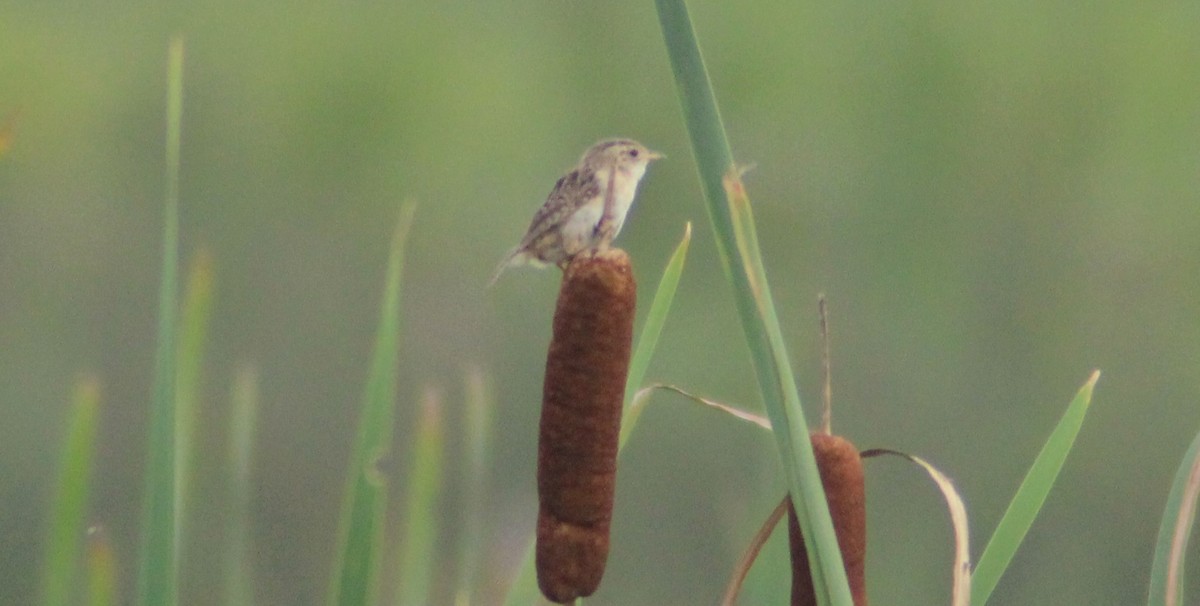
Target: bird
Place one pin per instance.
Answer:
(587, 207)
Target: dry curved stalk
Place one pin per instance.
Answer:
(756, 544)
(960, 594)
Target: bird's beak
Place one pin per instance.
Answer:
(656, 155)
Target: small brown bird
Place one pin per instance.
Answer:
(585, 210)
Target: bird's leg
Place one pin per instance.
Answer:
(605, 228)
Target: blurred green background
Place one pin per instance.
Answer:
(997, 198)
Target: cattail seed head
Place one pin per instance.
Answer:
(842, 476)
(582, 397)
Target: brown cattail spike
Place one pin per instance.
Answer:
(842, 475)
(581, 420)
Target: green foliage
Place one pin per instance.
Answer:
(64, 539)
(238, 566)
(987, 190)
(159, 558)
(418, 533)
(361, 526)
(1030, 497)
(647, 342)
(193, 336)
(479, 433)
(737, 240)
(101, 569)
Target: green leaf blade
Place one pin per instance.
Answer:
(418, 533)
(361, 525)
(191, 340)
(65, 535)
(101, 568)
(477, 453)
(656, 318)
(236, 558)
(159, 554)
(737, 242)
(1030, 496)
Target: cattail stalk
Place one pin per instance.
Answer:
(842, 476)
(581, 419)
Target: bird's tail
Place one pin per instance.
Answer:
(510, 259)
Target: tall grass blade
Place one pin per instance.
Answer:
(477, 456)
(238, 565)
(737, 242)
(159, 556)
(102, 569)
(1167, 580)
(65, 536)
(656, 318)
(361, 524)
(1030, 497)
(419, 530)
(193, 336)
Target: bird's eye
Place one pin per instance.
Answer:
(633, 153)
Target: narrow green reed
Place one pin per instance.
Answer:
(1167, 578)
(479, 433)
(656, 318)
(647, 342)
(737, 242)
(65, 534)
(355, 579)
(101, 569)
(158, 561)
(238, 563)
(418, 532)
(1030, 497)
(192, 338)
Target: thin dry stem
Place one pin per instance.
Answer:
(756, 544)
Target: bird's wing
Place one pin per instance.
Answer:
(570, 192)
